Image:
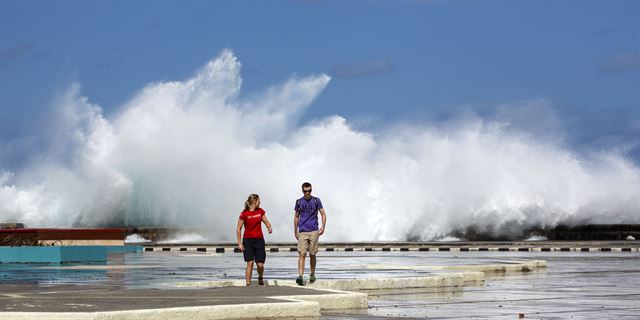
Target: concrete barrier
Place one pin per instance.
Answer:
(447, 280)
(294, 308)
(516, 266)
(434, 281)
(470, 274)
(473, 277)
(340, 300)
(459, 246)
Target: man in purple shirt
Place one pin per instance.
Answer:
(305, 227)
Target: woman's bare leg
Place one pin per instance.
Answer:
(248, 272)
(260, 269)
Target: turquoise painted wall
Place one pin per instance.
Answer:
(61, 254)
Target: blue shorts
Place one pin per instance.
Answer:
(254, 250)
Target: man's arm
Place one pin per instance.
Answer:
(324, 220)
(296, 218)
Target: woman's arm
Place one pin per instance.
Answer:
(267, 223)
(238, 229)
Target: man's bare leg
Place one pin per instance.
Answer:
(301, 258)
(312, 260)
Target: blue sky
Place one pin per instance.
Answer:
(390, 61)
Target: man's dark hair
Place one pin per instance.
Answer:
(306, 185)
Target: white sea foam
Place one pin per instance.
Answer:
(448, 239)
(188, 237)
(536, 238)
(187, 153)
(135, 238)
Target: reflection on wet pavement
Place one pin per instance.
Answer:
(575, 285)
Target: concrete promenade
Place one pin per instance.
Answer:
(26, 301)
(353, 284)
(228, 299)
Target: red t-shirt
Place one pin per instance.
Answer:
(252, 223)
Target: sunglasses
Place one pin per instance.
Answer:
(306, 191)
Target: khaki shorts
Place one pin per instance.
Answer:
(308, 242)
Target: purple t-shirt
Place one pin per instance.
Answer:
(308, 219)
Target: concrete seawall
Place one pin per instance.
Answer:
(520, 246)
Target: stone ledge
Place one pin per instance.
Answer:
(157, 248)
(293, 309)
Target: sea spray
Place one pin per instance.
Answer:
(184, 154)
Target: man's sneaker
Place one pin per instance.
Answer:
(260, 281)
(312, 278)
(299, 281)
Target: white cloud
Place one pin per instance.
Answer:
(622, 62)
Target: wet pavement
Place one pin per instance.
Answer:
(576, 285)
(95, 298)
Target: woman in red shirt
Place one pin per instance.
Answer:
(252, 244)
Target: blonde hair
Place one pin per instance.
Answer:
(252, 199)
